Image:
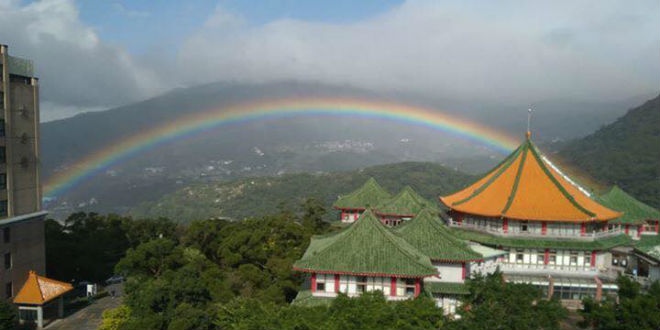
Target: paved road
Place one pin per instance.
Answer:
(88, 318)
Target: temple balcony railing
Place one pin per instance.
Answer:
(544, 269)
(512, 232)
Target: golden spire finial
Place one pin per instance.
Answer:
(529, 122)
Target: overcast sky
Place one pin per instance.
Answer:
(93, 55)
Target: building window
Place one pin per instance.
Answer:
(552, 257)
(9, 290)
(361, 284)
(587, 260)
(524, 226)
(3, 208)
(410, 286)
(3, 154)
(520, 256)
(573, 257)
(540, 257)
(3, 181)
(2, 123)
(6, 234)
(8, 260)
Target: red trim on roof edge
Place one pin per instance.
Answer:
(305, 270)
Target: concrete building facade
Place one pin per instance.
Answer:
(22, 243)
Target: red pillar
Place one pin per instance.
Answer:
(463, 271)
(505, 225)
(593, 258)
(583, 228)
(356, 215)
(336, 283)
(342, 214)
(656, 227)
(392, 286)
(627, 228)
(544, 227)
(418, 287)
(640, 229)
(313, 282)
(546, 257)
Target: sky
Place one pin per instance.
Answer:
(93, 55)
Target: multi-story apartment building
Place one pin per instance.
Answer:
(21, 219)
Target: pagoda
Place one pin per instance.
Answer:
(637, 219)
(402, 207)
(365, 256)
(555, 232)
(353, 204)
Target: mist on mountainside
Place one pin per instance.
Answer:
(278, 146)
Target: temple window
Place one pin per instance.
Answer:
(410, 286)
(573, 258)
(320, 283)
(361, 284)
(552, 257)
(540, 256)
(520, 256)
(587, 259)
(524, 226)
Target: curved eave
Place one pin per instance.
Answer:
(349, 208)
(531, 218)
(376, 274)
(457, 261)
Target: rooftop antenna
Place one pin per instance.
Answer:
(529, 122)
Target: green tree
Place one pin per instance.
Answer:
(8, 316)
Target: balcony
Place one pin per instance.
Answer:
(549, 269)
(512, 233)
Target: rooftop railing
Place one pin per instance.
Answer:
(513, 232)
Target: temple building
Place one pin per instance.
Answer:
(353, 204)
(402, 207)
(638, 218)
(525, 218)
(556, 234)
(365, 256)
(453, 258)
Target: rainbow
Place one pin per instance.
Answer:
(192, 124)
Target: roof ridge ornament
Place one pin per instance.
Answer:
(529, 123)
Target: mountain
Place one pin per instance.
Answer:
(273, 147)
(250, 197)
(625, 153)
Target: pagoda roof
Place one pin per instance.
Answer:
(406, 203)
(369, 195)
(365, 248)
(526, 186)
(634, 211)
(428, 235)
(39, 290)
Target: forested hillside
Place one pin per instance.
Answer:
(264, 195)
(625, 153)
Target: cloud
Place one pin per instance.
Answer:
(130, 12)
(77, 70)
(484, 51)
(510, 51)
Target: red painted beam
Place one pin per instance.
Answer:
(505, 225)
(546, 257)
(583, 228)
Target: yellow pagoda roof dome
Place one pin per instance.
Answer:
(527, 186)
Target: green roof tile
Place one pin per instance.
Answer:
(406, 202)
(369, 195)
(634, 211)
(367, 247)
(536, 243)
(428, 235)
